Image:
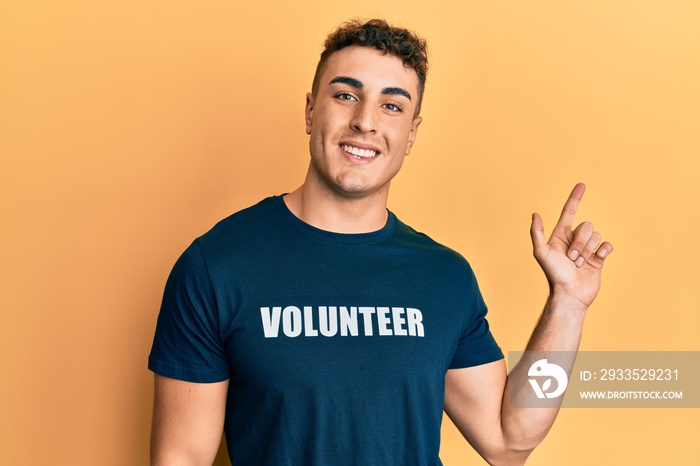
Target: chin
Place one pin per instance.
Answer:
(357, 190)
(353, 192)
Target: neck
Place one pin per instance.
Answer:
(333, 212)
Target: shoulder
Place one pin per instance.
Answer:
(234, 239)
(245, 227)
(422, 244)
(434, 262)
(249, 218)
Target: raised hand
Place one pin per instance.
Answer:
(573, 258)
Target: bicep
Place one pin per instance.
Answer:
(473, 401)
(188, 420)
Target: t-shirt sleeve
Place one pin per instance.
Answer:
(187, 344)
(476, 344)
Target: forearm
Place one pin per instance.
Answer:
(558, 329)
(560, 325)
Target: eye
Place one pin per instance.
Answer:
(393, 107)
(345, 96)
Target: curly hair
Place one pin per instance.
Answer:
(380, 35)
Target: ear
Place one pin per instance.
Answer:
(309, 112)
(412, 135)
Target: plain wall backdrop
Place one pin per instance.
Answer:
(128, 128)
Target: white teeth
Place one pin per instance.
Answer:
(357, 152)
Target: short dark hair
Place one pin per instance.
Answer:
(380, 35)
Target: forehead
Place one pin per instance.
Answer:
(374, 68)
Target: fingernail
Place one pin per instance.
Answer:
(579, 261)
(573, 254)
(603, 252)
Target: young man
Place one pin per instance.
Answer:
(318, 329)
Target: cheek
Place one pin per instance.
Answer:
(399, 137)
(323, 126)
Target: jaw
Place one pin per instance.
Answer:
(351, 179)
(350, 167)
(355, 179)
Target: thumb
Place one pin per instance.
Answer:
(537, 234)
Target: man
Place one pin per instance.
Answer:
(318, 329)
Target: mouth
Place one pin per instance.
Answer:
(359, 153)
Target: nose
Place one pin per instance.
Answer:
(364, 118)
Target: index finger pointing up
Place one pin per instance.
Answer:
(566, 219)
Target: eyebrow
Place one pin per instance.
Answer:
(396, 91)
(357, 84)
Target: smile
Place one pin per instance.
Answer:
(359, 153)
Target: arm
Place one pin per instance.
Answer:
(188, 420)
(476, 398)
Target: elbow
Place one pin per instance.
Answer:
(518, 441)
(508, 457)
(512, 451)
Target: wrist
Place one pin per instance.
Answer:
(564, 303)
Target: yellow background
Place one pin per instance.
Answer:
(129, 127)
